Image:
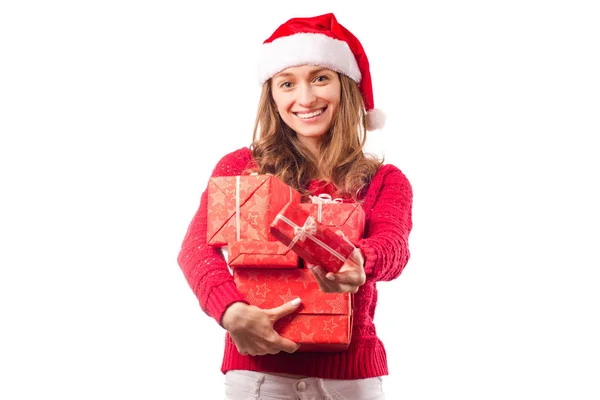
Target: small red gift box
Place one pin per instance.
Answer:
(345, 218)
(311, 240)
(323, 321)
(261, 254)
(242, 207)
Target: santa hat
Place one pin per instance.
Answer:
(320, 41)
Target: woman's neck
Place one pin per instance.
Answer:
(311, 144)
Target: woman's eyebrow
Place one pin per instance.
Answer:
(311, 73)
(318, 71)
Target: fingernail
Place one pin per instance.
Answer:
(296, 301)
(330, 277)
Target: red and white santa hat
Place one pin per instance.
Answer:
(322, 41)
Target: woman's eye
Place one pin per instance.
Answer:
(286, 85)
(322, 78)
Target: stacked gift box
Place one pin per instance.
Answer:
(269, 234)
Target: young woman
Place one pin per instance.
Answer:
(314, 111)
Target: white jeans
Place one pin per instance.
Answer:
(250, 385)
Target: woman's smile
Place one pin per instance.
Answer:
(310, 116)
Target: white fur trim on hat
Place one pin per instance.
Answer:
(375, 119)
(307, 48)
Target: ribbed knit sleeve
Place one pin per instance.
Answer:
(389, 222)
(204, 266)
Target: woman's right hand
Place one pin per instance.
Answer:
(251, 328)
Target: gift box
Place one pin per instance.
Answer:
(322, 322)
(311, 240)
(347, 219)
(242, 207)
(261, 254)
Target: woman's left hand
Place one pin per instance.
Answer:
(348, 279)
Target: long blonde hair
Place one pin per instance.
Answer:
(277, 150)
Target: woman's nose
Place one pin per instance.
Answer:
(306, 96)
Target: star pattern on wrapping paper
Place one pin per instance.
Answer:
(293, 330)
(343, 338)
(252, 234)
(262, 290)
(218, 210)
(245, 184)
(307, 320)
(306, 278)
(261, 204)
(283, 249)
(252, 219)
(339, 304)
(252, 275)
(328, 215)
(326, 337)
(223, 182)
(331, 259)
(307, 338)
(352, 222)
(348, 226)
(288, 296)
(257, 247)
(261, 258)
(279, 248)
(251, 297)
(217, 197)
(230, 194)
(284, 277)
(242, 247)
(328, 327)
(215, 224)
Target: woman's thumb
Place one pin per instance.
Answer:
(286, 308)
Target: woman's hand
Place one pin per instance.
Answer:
(251, 328)
(348, 279)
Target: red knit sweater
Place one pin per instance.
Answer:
(388, 205)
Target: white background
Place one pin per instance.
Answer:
(113, 114)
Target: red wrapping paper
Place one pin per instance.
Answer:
(261, 254)
(311, 240)
(323, 321)
(347, 218)
(241, 208)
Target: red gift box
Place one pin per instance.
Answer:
(261, 254)
(311, 240)
(345, 218)
(242, 207)
(323, 321)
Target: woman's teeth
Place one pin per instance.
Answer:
(310, 115)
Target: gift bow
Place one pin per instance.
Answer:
(307, 231)
(301, 232)
(325, 198)
(321, 199)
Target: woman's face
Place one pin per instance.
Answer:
(307, 97)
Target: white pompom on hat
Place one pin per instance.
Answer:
(320, 40)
